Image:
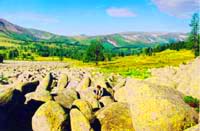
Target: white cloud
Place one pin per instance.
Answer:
(120, 12)
(178, 8)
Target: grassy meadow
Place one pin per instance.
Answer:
(134, 66)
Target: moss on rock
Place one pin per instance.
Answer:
(115, 117)
(50, 117)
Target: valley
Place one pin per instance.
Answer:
(128, 81)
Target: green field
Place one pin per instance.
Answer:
(134, 66)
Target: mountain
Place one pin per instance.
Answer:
(139, 38)
(21, 33)
(126, 39)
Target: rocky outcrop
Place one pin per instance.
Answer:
(97, 101)
(84, 107)
(158, 108)
(66, 97)
(115, 117)
(185, 78)
(62, 82)
(106, 100)
(50, 117)
(45, 84)
(78, 121)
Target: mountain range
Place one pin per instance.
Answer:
(10, 30)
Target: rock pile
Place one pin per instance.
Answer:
(64, 99)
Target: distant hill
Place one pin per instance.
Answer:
(21, 33)
(138, 38)
(127, 39)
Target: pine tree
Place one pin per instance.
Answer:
(194, 35)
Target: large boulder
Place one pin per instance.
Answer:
(62, 82)
(188, 79)
(120, 95)
(185, 78)
(45, 84)
(40, 96)
(6, 96)
(90, 96)
(84, 84)
(66, 97)
(158, 108)
(50, 117)
(115, 117)
(85, 108)
(10, 98)
(120, 84)
(78, 121)
(27, 87)
(106, 100)
(100, 81)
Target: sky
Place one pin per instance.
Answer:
(96, 17)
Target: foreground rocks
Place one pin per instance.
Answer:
(185, 79)
(45, 96)
(50, 117)
(158, 108)
(115, 117)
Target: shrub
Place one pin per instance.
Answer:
(193, 102)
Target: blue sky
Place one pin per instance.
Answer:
(92, 17)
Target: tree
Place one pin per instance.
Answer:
(1, 58)
(95, 52)
(61, 55)
(194, 35)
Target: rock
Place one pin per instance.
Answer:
(66, 97)
(101, 82)
(42, 96)
(188, 79)
(50, 117)
(27, 87)
(115, 117)
(120, 84)
(6, 96)
(84, 107)
(185, 78)
(194, 128)
(120, 95)
(89, 96)
(62, 82)
(78, 121)
(45, 84)
(158, 108)
(10, 98)
(106, 100)
(84, 84)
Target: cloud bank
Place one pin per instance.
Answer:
(178, 8)
(120, 12)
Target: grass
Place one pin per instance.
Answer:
(133, 66)
(8, 42)
(138, 66)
